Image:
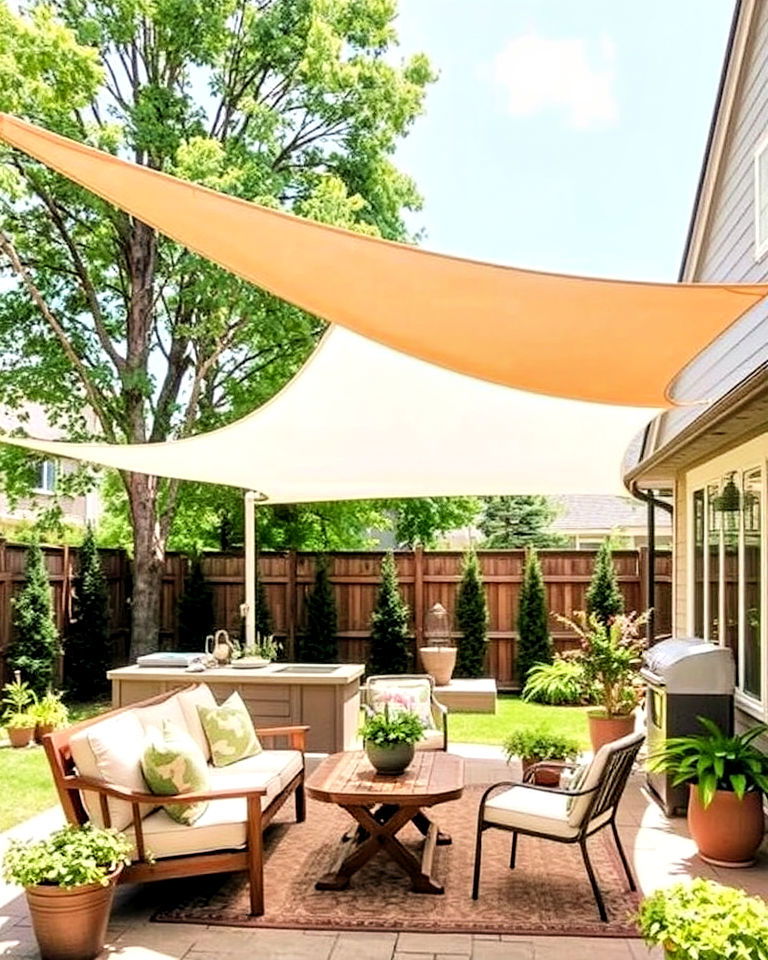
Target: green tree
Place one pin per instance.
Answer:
(194, 614)
(87, 648)
(390, 648)
(119, 333)
(35, 641)
(472, 620)
(319, 643)
(518, 521)
(604, 598)
(534, 644)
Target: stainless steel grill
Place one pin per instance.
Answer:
(686, 678)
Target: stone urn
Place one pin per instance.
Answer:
(439, 661)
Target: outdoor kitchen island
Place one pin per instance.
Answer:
(324, 695)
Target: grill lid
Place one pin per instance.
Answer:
(690, 665)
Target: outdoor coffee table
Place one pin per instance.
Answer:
(382, 806)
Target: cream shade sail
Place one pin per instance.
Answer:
(588, 339)
(364, 421)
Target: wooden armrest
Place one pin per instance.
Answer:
(158, 800)
(297, 734)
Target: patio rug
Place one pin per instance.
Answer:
(547, 893)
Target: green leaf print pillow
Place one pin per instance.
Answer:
(229, 730)
(173, 763)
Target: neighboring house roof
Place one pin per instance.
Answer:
(595, 512)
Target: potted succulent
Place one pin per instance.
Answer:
(610, 658)
(728, 777)
(537, 744)
(18, 718)
(49, 713)
(705, 920)
(389, 739)
(70, 879)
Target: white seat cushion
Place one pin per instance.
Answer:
(111, 750)
(189, 700)
(431, 740)
(222, 826)
(534, 810)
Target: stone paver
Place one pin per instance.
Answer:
(659, 849)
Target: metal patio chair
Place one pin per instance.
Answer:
(565, 816)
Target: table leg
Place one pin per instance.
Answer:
(380, 829)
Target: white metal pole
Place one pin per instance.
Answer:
(250, 568)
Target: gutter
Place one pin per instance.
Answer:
(650, 583)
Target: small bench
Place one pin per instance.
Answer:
(97, 772)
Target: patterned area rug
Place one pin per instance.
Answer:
(547, 892)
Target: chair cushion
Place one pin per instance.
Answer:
(575, 783)
(580, 805)
(222, 826)
(173, 763)
(534, 810)
(189, 700)
(111, 750)
(403, 693)
(431, 740)
(229, 730)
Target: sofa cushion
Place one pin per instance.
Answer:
(111, 750)
(173, 763)
(153, 716)
(189, 700)
(222, 826)
(229, 730)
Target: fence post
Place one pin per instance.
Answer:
(291, 604)
(418, 602)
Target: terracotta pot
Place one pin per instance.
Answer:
(390, 760)
(439, 661)
(71, 924)
(544, 776)
(20, 736)
(730, 830)
(604, 730)
(41, 729)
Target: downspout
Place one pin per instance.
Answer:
(650, 586)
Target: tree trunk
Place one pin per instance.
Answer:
(148, 556)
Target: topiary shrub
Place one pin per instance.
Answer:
(35, 644)
(390, 647)
(534, 644)
(319, 644)
(471, 620)
(195, 616)
(87, 649)
(604, 598)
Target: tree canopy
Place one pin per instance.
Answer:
(121, 334)
(516, 521)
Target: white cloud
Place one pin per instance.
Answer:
(539, 73)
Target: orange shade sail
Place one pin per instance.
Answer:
(590, 339)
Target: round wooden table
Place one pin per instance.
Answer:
(381, 806)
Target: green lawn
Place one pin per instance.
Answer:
(25, 775)
(511, 713)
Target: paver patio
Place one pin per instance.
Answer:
(660, 850)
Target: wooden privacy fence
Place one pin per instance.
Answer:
(426, 577)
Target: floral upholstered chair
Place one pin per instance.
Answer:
(414, 692)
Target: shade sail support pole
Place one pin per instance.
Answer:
(250, 567)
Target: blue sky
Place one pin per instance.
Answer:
(563, 135)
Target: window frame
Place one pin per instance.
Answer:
(47, 472)
(761, 150)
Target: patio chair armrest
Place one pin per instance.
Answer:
(158, 800)
(296, 733)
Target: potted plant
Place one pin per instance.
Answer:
(18, 719)
(49, 713)
(537, 744)
(727, 777)
(705, 920)
(610, 658)
(389, 739)
(258, 654)
(70, 879)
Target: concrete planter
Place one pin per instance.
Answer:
(391, 759)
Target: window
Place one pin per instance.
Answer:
(761, 198)
(46, 477)
(698, 563)
(713, 564)
(752, 605)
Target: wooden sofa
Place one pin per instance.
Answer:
(245, 795)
